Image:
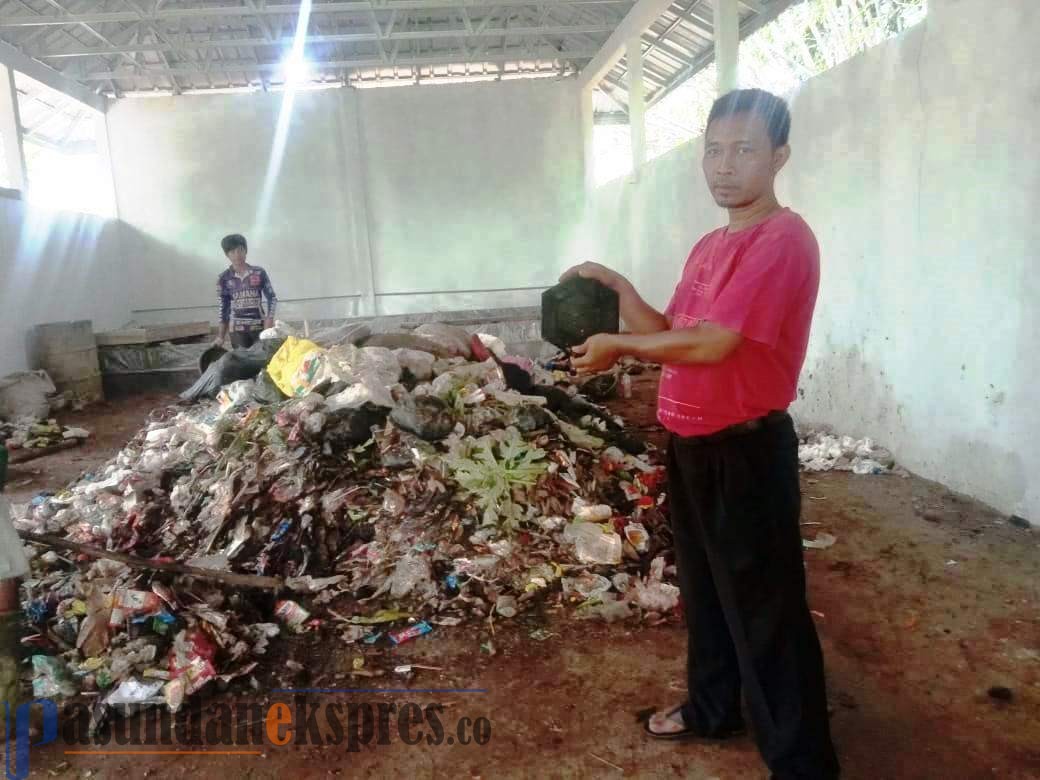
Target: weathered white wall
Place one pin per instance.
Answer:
(471, 187)
(912, 164)
(56, 266)
(411, 198)
(189, 170)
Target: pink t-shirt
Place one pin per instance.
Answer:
(761, 282)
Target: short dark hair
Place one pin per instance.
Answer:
(771, 108)
(234, 241)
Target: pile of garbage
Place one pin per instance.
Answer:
(27, 399)
(30, 433)
(823, 451)
(386, 494)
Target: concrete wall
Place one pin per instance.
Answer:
(56, 266)
(394, 200)
(912, 164)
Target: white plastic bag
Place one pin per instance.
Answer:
(12, 557)
(24, 394)
(592, 545)
(418, 364)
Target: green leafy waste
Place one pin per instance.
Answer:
(489, 468)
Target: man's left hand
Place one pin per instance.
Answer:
(268, 324)
(598, 353)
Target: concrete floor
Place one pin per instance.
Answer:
(918, 617)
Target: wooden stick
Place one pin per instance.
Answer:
(227, 577)
(620, 769)
(32, 453)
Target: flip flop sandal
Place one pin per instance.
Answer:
(690, 733)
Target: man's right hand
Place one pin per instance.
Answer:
(602, 274)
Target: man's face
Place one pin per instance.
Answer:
(740, 162)
(237, 256)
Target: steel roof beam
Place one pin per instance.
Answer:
(448, 58)
(361, 37)
(362, 7)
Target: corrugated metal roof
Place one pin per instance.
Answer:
(121, 47)
(681, 42)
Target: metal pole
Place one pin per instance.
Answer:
(587, 130)
(727, 44)
(636, 101)
(11, 132)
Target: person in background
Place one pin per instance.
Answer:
(732, 343)
(13, 565)
(241, 289)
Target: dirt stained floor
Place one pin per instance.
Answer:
(926, 602)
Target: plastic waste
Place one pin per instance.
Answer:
(590, 513)
(24, 394)
(51, 678)
(190, 664)
(412, 573)
(651, 593)
(292, 614)
(265, 391)
(410, 633)
(133, 605)
(13, 562)
(428, 417)
(356, 396)
(822, 541)
(587, 585)
(506, 606)
(281, 330)
(337, 335)
(592, 544)
(610, 609)
(637, 536)
(236, 394)
(231, 367)
(578, 308)
(450, 337)
(418, 364)
(286, 366)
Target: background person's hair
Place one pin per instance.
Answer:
(771, 108)
(234, 241)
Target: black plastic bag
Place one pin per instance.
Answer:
(231, 367)
(427, 416)
(266, 391)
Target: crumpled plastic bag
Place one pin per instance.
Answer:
(428, 417)
(229, 367)
(587, 585)
(375, 365)
(352, 332)
(418, 364)
(51, 678)
(265, 391)
(236, 394)
(281, 330)
(592, 544)
(651, 593)
(356, 396)
(450, 337)
(287, 366)
(609, 609)
(493, 344)
(411, 574)
(13, 562)
(825, 452)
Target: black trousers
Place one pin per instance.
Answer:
(735, 507)
(244, 339)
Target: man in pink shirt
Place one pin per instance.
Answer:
(731, 344)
